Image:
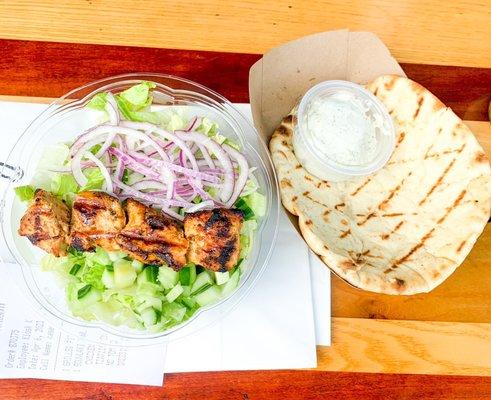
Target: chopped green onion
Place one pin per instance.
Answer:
(75, 269)
(83, 291)
(242, 206)
(202, 289)
(152, 272)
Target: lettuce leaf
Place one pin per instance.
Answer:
(63, 184)
(94, 179)
(98, 102)
(92, 275)
(138, 97)
(25, 193)
(54, 157)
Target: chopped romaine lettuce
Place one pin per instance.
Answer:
(25, 193)
(54, 157)
(92, 275)
(63, 184)
(138, 96)
(94, 179)
(98, 102)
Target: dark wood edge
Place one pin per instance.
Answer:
(48, 69)
(262, 385)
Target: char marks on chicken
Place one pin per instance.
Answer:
(214, 238)
(46, 223)
(151, 237)
(97, 218)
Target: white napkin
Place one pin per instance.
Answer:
(272, 328)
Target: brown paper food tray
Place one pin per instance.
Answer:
(449, 331)
(284, 74)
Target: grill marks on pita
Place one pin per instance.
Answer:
(418, 217)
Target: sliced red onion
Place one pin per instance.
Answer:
(147, 184)
(112, 109)
(148, 197)
(167, 135)
(206, 156)
(200, 206)
(79, 142)
(148, 161)
(76, 163)
(129, 133)
(243, 173)
(104, 171)
(134, 165)
(109, 140)
(193, 124)
(222, 157)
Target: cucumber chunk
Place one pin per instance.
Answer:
(202, 279)
(210, 295)
(149, 316)
(231, 284)
(167, 277)
(124, 274)
(221, 277)
(108, 279)
(174, 293)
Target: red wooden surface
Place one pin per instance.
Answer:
(259, 385)
(51, 69)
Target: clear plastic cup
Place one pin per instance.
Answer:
(62, 121)
(307, 151)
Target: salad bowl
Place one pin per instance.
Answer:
(68, 118)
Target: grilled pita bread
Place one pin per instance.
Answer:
(406, 228)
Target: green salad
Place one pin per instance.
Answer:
(165, 159)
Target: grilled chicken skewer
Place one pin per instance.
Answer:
(97, 218)
(214, 240)
(46, 223)
(209, 238)
(151, 237)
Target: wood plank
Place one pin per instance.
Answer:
(46, 69)
(255, 385)
(417, 31)
(442, 348)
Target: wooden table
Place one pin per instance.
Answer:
(436, 345)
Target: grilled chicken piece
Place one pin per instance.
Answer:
(214, 238)
(152, 238)
(46, 223)
(96, 220)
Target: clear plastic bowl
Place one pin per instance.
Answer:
(62, 121)
(315, 161)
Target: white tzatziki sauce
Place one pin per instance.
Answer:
(342, 129)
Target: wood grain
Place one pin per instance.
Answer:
(363, 345)
(416, 31)
(260, 385)
(46, 69)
